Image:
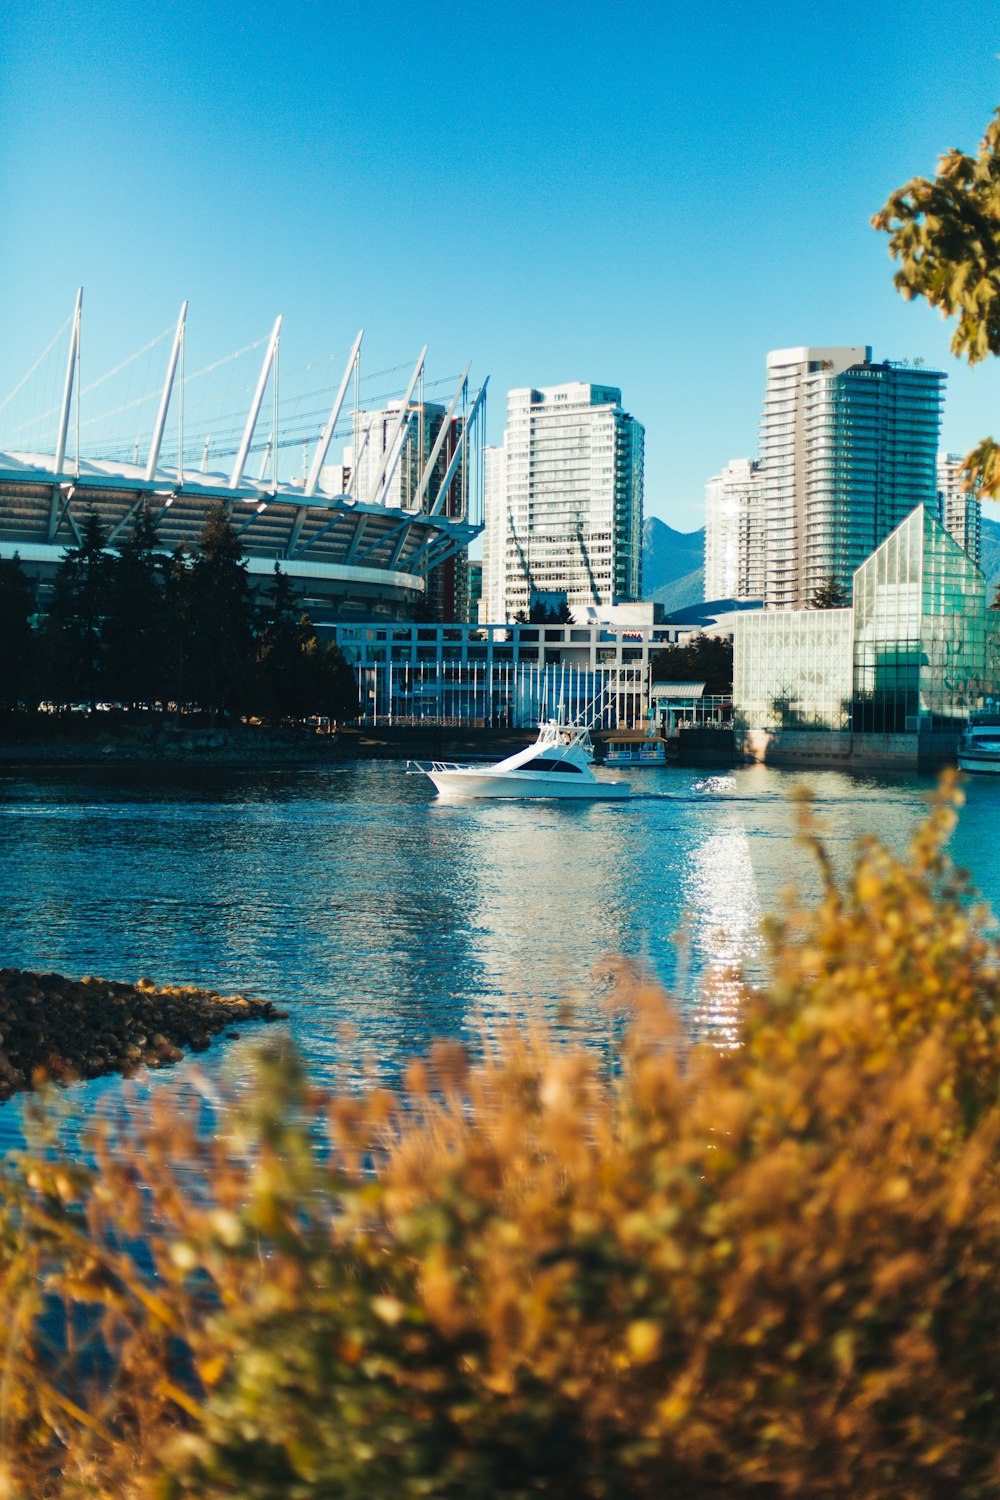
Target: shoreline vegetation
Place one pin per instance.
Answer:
(54, 1029)
(760, 1271)
(126, 625)
(29, 739)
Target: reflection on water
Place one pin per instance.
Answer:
(720, 893)
(352, 896)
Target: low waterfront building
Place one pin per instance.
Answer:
(503, 674)
(919, 632)
(673, 704)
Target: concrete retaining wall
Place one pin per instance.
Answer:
(795, 747)
(861, 752)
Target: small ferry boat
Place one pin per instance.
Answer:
(979, 747)
(633, 748)
(557, 764)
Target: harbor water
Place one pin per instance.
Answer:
(380, 917)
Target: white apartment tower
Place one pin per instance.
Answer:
(848, 450)
(734, 532)
(960, 513)
(563, 501)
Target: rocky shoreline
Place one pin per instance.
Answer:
(245, 746)
(166, 743)
(63, 1029)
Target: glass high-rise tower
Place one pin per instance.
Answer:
(848, 448)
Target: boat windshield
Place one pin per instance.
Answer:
(544, 763)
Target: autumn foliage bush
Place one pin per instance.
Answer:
(765, 1270)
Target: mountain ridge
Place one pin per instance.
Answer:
(673, 572)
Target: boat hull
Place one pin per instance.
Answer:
(456, 785)
(978, 764)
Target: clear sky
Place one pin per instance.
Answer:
(647, 195)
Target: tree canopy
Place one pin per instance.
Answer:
(830, 595)
(17, 655)
(707, 659)
(541, 613)
(945, 233)
(131, 625)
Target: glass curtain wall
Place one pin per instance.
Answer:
(793, 669)
(919, 647)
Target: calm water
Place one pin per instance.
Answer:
(353, 898)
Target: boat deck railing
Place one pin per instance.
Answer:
(431, 767)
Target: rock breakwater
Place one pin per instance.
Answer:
(63, 1028)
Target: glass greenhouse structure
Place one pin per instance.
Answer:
(918, 649)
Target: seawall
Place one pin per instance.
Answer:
(844, 748)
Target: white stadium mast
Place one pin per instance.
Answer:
(72, 367)
(270, 355)
(168, 385)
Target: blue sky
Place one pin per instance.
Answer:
(648, 195)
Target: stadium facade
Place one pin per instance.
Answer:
(349, 555)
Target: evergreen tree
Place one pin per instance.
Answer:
(74, 648)
(136, 623)
(17, 656)
(296, 675)
(830, 595)
(177, 603)
(338, 689)
(284, 677)
(219, 633)
(545, 614)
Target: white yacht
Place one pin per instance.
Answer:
(979, 747)
(557, 764)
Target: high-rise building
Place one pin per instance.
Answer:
(392, 479)
(960, 514)
(492, 605)
(387, 466)
(848, 449)
(734, 532)
(563, 501)
(475, 590)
